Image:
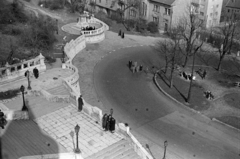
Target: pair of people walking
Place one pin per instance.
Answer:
(134, 67)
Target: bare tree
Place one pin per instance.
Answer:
(188, 26)
(170, 48)
(227, 32)
(77, 5)
(196, 47)
(125, 5)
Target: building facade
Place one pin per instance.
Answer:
(229, 8)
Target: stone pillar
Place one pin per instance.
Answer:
(42, 64)
(8, 72)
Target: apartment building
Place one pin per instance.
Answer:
(213, 12)
(159, 11)
(107, 6)
(209, 10)
(228, 8)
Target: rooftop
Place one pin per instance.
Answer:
(233, 4)
(166, 2)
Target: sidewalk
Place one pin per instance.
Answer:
(54, 122)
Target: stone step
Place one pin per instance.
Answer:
(25, 138)
(38, 105)
(121, 149)
(5, 82)
(59, 90)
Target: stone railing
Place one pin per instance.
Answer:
(97, 114)
(14, 114)
(51, 97)
(94, 36)
(71, 49)
(10, 72)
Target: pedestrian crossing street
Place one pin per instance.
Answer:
(60, 126)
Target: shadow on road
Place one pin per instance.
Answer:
(25, 138)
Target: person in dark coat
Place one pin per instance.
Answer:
(80, 103)
(104, 121)
(108, 122)
(204, 74)
(130, 64)
(112, 123)
(141, 68)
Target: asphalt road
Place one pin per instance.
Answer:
(136, 101)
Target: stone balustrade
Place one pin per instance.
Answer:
(71, 49)
(16, 70)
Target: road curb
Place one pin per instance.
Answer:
(192, 110)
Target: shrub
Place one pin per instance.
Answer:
(141, 25)
(50, 59)
(131, 23)
(116, 17)
(103, 17)
(9, 94)
(152, 27)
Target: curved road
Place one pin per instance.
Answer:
(136, 101)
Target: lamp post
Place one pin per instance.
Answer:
(165, 148)
(24, 108)
(77, 128)
(57, 26)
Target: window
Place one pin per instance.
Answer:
(210, 14)
(144, 9)
(228, 10)
(99, 1)
(156, 19)
(217, 5)
(132, 13)
(156, 8)
(167, 11)
(216, 13)
(202, 13)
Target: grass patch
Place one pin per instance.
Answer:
(233, 99)
(180, 89)
(230, 120)
(9, 94)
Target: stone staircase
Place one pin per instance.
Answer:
(122, 149)
(59, 90)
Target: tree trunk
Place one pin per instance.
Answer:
(220, 63)
(166, 67)
(171, 76)
(190, 85)
(185, 62)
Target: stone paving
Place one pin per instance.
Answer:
(92, 138)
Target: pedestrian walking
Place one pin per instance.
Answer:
(130, 64)
(141, 68)
(133, 68)
(112, 123)
(204, 74)
(137, 69)
(104, 121)
(135, 64)
(80, 103)
(108, 122)
(120, 32)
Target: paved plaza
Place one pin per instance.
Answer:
(92, 138)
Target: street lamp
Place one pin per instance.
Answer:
(24, 108)
(57, 25)
(77, 128)
(165, 148)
